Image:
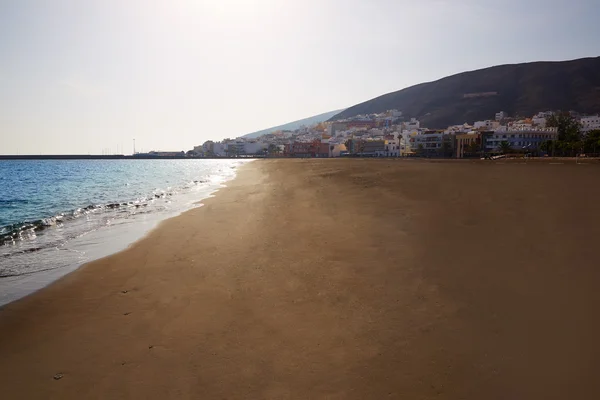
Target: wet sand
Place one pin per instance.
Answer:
(337, 279)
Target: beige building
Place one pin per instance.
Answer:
(464, 143)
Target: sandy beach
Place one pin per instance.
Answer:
(335, 279)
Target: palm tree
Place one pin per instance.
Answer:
(473, 147)
(546, 145)
(592, 141)
(504, 147)
(446, 149)
(272, 149)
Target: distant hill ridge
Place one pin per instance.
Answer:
(295, 124)
(519, 89)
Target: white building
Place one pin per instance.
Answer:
(487, 125)
(392, 145)
(520, 125)
(335, 149)
(219, 149)
(429, 142)
(205, 149)
(540, 118)
(464, 128)
(208, 146)
(404, 141)
(254, 147)
(334, 127)
(235, 148)
(501, 115)
(521, 138)
(412, 124)
(374, 132)
(544, 114)
(198, 150)
(590, 123)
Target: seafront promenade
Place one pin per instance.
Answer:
(335, 279)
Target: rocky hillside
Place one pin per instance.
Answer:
(296, 124)
(519, 89)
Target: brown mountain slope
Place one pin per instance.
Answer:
(519, 89)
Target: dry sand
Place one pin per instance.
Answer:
(338, 279)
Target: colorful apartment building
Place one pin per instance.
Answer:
(312, 149)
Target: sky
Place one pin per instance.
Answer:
(89, 76)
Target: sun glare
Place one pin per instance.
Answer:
(224, 7)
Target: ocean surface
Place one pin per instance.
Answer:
(58, 214)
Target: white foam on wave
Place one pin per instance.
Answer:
(31, 271)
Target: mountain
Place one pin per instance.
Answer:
(518, 89)
(296, 124)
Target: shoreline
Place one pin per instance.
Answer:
(116, 157)
(346, 279)
(97, 244)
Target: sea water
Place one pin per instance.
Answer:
(58, 214)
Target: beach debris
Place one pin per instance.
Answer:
(124, 291)
(58, 376)
(150, 346)
(127, 313)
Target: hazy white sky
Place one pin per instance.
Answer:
(79, 76)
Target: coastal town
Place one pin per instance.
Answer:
(296, 199)
(390, 134)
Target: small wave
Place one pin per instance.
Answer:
(59, 219)
(13, 201)
(11, 234)
(30, 250)
(52, 221)
(10, 274)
